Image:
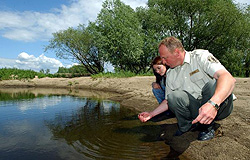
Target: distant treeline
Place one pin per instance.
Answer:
(14, 73)
(21, 74)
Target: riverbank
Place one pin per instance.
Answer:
(232, 138)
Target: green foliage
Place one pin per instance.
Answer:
(20, 74)
(77, 45)
(231, 59)
(219, 26)
(70, 83)
(121, 36)
(14, 73)
(129, 39)
(74, 71)
(198, 23)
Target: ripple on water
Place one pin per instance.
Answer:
(92, 128)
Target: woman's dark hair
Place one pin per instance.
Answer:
(158, 61)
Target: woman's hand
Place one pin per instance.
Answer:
(156, 85)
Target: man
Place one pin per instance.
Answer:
(198, 89)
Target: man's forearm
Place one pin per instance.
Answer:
(224, 87)
(161, 108)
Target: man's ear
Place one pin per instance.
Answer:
(177, 53)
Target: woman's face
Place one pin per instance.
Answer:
(160, 69)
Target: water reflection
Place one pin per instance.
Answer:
(99, 134)
(40, 126)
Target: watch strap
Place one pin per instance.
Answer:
(214, 104)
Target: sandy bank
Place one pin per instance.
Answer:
(232, 140)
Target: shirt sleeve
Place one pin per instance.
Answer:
(166, 89)
(209, 63)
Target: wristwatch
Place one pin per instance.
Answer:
(214, 104)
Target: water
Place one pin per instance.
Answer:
(40, 126)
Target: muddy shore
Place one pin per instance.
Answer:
(232, 139)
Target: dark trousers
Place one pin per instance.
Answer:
(186, 107)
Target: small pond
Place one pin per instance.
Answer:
(65, 127)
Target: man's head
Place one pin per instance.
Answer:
(171, 51)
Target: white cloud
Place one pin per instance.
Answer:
(135, 3)
(242, 1)
(31, 26)
(71, 65)
(7, 63)
(26, 61)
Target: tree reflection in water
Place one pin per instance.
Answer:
(87, 126)
(104, 130)
(97, 129)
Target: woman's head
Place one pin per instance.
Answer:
(158, 66)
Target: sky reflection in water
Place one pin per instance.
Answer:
(67, 127)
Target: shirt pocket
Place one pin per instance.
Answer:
(198, 79)
(174, 86)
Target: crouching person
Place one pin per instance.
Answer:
(198, 89)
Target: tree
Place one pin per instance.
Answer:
(151, 36)
(219, 26)
(77, 45)
(42, 71)
(47, 71)
(121, 36)
(129, 39)
(231, 59)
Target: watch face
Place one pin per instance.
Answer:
(216, 106)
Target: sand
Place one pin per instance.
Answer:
(232, 139)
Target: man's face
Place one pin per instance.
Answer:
(168, 58)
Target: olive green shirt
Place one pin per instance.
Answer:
(198, 68)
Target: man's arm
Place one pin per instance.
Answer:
(145, 116)
(224, 87)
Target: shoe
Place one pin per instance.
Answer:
(192, 128)
(206, 135)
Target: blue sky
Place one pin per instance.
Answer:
(27, 25)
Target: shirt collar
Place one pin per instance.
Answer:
(187, 57)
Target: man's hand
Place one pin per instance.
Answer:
(207, 113)
(145, 116)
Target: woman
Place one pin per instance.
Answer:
(158, 87)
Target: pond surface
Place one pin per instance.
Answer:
(40, 126)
